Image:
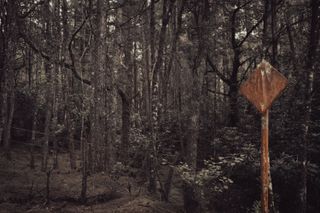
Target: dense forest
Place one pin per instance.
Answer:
(135, 105)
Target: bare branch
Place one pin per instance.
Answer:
(246, 71)
(219, 93)
(250, 31)
(244, 61)
(33, 46)
(73, 65)
(244, 4)
(86, 48)
(44, 55)
(215, 69)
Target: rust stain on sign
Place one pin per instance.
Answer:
(263, 86)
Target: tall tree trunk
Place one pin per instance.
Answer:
(60, 49)
(54, 122)
(233, 81)
(233, 104)
(111, 106)
(7, 128)
(265, 28)
(309, 79)
(84, 169)
(152, 32)
(83, 139)
(3, 111)
(203, 145)
(70, 119)
(3, 52)
(71, 131)
(84, 173)
(191, 204)
(273, 32)
(174, 43)
(127, 73)
(97, 129)
(166, 12)
(33, 138)
(34, 84)
(48, 114)
(49, 85)
(8, 32)
(135, 94)
(126, 105)
(146, 75)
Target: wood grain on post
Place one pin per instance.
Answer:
(265, 162)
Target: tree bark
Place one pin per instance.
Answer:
(48, 114)
(166, 12)
(191, 204)
(309, 79)
(3, 61)
(7, 128)
(273, 32)
(48, 88)
(233, 81)
(54, 122)
(8, 36)
(71, 131)
(125, 116)
(33, 138)
(172, 53)
(84, 169)
(127, 74)
(146, 73)
(97, 128)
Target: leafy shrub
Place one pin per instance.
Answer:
(213, 178)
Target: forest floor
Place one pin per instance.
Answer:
(24, 190)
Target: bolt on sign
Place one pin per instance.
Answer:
(263, 86)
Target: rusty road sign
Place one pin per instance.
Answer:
(263, 86)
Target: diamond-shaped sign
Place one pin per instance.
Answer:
(263, 86)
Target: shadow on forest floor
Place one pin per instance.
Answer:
(24, 190)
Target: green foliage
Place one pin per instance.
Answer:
(285, 166)
(213, 178)
(138, 141)
(256, 207)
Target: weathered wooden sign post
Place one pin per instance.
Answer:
(263, 86)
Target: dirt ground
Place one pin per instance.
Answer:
(24, 190)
